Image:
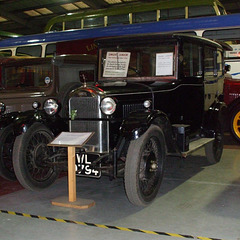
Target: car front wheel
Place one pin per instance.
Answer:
(30, 158)
(144, 166)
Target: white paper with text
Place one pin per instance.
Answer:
(164, 64)
(116, 64)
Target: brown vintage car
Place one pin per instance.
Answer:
(24, 81)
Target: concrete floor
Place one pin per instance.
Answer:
(196, 200)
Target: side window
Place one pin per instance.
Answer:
(57, 27)
(93, 22)
(5, 53)
(118, 19)
(50, 50)
(222, 34)
(197, 11)
(149, 16)
(34, 51)
(76, 24)
(209, 62)
(172, 13)
(191, 60)
(220, 69)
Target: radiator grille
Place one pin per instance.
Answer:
(88, 107)
(128, 108)
(85, 107)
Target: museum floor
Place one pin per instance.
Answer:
(196, 201)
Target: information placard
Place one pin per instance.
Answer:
(164, 64)
(116, 64)
(71, 139)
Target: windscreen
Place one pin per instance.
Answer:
(143, 62)
(27, 76)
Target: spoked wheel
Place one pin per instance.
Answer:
(7, 138)
(214, 149)
(145, 166)
(235, 123)
(31, 158)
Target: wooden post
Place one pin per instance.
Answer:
(71, 201)
(72, 196)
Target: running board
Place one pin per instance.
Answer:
(196, 144)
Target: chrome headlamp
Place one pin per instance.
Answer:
(108, 106)
(50, 106)
(147, 104)
(36, 105)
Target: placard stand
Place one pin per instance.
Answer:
(71, 140)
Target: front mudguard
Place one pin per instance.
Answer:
(137, 124)
(21, 121)
(7, 119)
(216, 115)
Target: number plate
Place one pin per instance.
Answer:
(84, 165)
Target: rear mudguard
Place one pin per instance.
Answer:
(217, 114)
(137, 124)
(21, 121)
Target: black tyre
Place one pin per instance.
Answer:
(145, 166)
(7, 138)
(63, 97)
(214, 149)
(30, 155)
(235, 123)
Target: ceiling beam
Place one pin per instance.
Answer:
(12, 17)
(16, 19)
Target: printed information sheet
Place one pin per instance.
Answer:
(164, 64)
(116, 64)
(71, 139)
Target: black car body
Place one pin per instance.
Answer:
(156, 95)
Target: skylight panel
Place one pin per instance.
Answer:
(69, 6)
(2, 19)
(32, 13)
(81, 4)
(113, 1)
(44, 11)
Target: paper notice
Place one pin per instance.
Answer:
(71, 139)
(116, 64)
(164, 64)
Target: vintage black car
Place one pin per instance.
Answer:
(28, 82)
(155, 96)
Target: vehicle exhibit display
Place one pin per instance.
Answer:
(232, 99)
(155, 96)
(28, 83)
